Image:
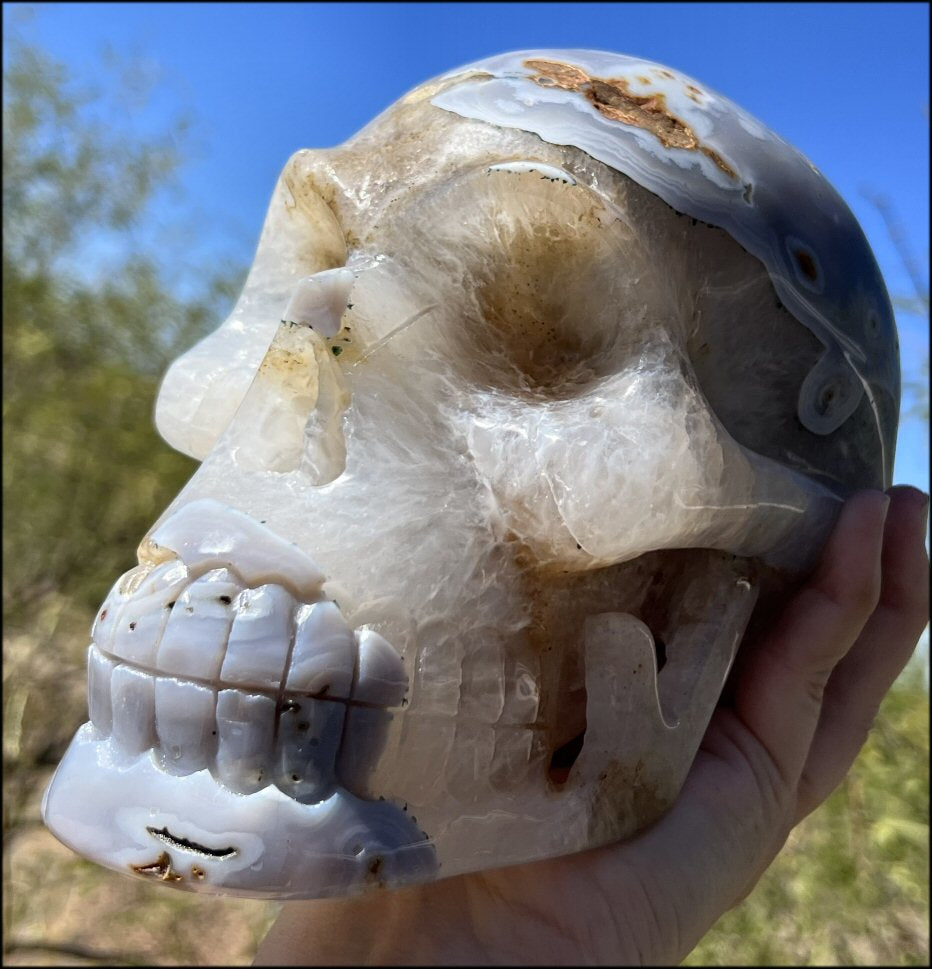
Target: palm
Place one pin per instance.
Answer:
(588, 907)
(804, 700)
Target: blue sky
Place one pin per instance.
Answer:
(846, 83)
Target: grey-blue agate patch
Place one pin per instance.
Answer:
(711, 160)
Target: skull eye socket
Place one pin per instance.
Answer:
(531, 265)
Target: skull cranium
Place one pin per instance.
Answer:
(531, 387)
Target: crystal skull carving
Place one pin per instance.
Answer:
(535, 383)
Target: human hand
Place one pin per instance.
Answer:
(804, 700)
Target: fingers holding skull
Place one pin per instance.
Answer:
(860, 681)
(812, 688)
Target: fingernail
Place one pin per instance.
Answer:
(918, 499)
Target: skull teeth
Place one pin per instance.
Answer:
(184, 725)
(208, 673)
(214, 630)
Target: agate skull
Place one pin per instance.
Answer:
(534, 384)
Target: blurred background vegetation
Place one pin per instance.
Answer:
(91, 319)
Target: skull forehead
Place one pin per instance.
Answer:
(409, 148)
(435, 168)
(502, 250)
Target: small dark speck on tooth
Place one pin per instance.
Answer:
(226, 600)
(132, 625)
(170, 605)
(103, 615)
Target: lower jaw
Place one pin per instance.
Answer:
(263, 845)
(125, 811)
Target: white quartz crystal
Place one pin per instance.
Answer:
(536, 386)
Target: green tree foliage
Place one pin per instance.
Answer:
(84, 472)
(90, 321)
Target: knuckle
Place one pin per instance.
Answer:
(857, 596)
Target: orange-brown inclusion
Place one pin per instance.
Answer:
(613, 98)
(161, 868)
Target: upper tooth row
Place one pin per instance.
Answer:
(247, 740)
(215, 630)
